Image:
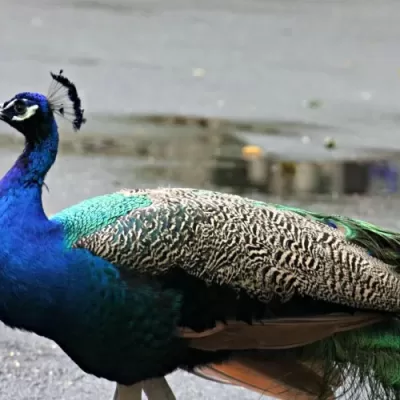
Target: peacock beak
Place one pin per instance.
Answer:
(2, 115)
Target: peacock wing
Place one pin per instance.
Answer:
(266, 250)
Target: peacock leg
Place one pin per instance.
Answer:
(128, 392)
(158, 389)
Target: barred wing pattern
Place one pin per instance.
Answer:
(257, 247)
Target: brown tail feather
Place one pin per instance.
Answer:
(281, 379)
(277, 333)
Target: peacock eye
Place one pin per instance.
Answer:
(20, 107)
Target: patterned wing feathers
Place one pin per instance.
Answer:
(262, 249)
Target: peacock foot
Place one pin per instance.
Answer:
(128, 392)
(158, 389)
(155, 389)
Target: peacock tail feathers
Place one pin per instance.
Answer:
(380, 243)
(365, 362)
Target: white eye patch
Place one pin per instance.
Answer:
(28, 113)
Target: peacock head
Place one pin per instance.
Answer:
(32, 114)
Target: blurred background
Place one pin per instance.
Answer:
(290, 101)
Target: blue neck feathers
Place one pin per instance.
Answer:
(35, 161)
(25, 286)
(24, 181)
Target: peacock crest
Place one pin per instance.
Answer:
(64, 100)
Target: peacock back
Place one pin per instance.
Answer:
(269, 251)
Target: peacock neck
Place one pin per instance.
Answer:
(25, 179)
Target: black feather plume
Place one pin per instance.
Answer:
(64, 100)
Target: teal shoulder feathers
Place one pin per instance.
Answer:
(94, 214)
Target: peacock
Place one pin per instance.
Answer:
(135, 284)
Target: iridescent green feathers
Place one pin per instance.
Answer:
(365, 363)
(96, 213)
